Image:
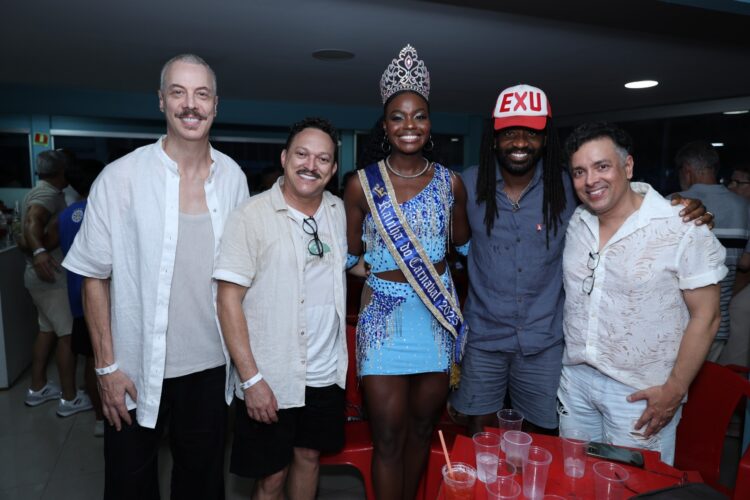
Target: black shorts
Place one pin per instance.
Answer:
(260, 450)
(80, 342)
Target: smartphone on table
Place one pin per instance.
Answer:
(615, 453)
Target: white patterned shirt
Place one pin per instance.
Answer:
(631, 324)
(129, 234)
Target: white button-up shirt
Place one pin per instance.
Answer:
(631, 324)
(262, 250)
(129, 234)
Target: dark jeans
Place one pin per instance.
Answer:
(195, 412)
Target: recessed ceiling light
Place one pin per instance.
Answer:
(717, 144)
(642, 84)
(455, 139)
(738, 112)
(333, 55)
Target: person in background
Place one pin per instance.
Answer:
(409, 331)
(641, 300)
(46, 284)
(282, 307)
(737, 350)
(146, 249)
(81, 175)
(698, 166)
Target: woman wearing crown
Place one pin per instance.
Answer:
(403, 212)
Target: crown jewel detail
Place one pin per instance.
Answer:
(406, 72)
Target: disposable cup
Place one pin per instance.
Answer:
(505, 469)
(574, 452)
(609, 481)
(516, 445)
(503, 488)
(508, 419)
(487, 449)
(535, 472)
(459, 481)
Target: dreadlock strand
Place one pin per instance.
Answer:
(487, 177)
(554, 200)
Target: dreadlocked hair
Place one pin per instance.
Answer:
(554, 200)
(372, 152)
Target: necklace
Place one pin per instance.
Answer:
(414, 176)
(515, 205)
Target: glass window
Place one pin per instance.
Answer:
(15, 160)
(657, 141)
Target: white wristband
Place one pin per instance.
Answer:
(247, 384)
(107, 369)
(38, 251)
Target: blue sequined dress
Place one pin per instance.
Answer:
(396, 333)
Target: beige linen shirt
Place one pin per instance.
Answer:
(261, 250)
(631, 325)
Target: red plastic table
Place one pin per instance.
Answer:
(655, 474)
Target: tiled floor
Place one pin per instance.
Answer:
(43, 457)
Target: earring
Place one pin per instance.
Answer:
(385, 145)
(431, 145)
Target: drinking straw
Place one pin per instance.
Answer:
(445, 452)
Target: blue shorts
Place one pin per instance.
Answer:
(532, 382)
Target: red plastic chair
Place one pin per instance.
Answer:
(357, 450)
(712, 399)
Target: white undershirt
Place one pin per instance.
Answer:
(193, 338)
(322, 322)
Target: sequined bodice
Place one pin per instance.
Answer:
(428, 214)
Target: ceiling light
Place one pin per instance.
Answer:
(738, 112)
(642, 84)
(455, 139)
(717, 144)
(333, 55)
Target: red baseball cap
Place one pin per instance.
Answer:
(522, 106)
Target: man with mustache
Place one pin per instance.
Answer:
(146, 249)
(282, 309)
(641, 299)
(519, 207)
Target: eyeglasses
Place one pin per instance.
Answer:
(588, 282)
(735, 182)
(315, 247)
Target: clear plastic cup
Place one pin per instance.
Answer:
(535, 472)
(574, 452)
(508, 419)
(505, 468)
(459, 481)
(609, 481)
(487, 449)
(516, 446)
(504, 488)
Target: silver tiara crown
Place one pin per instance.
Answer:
(406, 72)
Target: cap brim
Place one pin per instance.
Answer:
(533, 122)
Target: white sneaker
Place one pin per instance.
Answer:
(99, 428)
(81, 402)
(49, 392)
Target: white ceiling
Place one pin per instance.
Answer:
(580, 52)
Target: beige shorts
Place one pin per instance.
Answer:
(54, 310)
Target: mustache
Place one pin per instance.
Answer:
(308, 172)
(191, 113)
